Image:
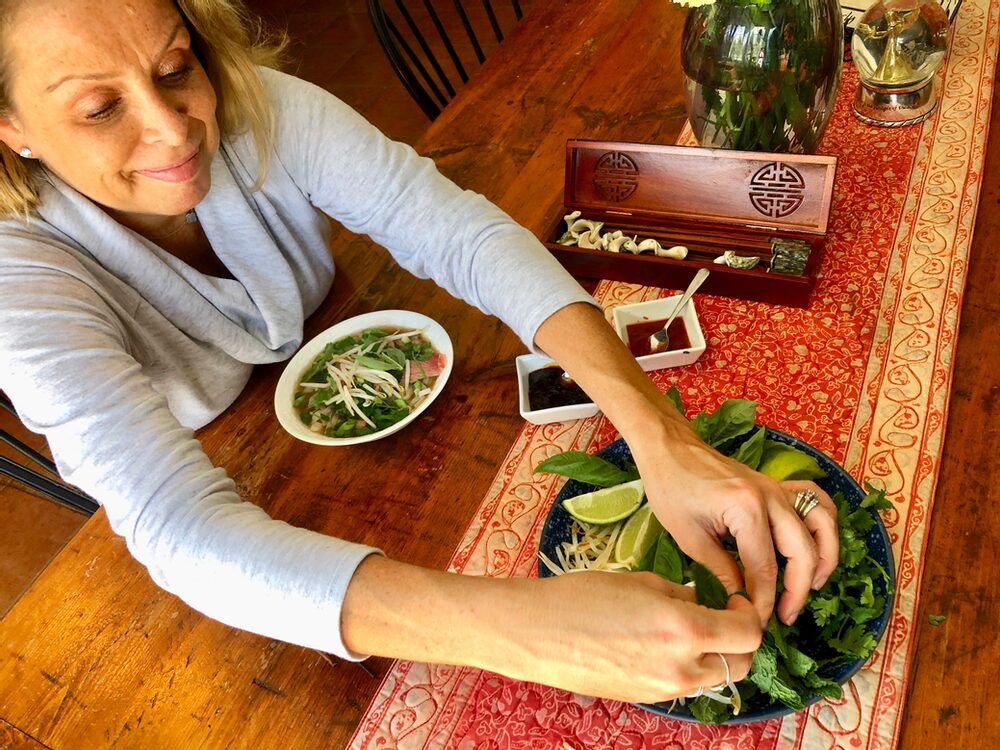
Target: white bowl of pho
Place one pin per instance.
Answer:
(364, 378)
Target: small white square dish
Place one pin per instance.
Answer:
(540, 379)
(687, 341)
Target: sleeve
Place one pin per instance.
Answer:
(379, 187)
(65, 363)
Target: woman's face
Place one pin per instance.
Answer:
(111, 98)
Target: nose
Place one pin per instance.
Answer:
(164, 119)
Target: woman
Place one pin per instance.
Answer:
(162, 233)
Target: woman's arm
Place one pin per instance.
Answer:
(475, 251)
(633, 637)
(66, 361)
(698, 494)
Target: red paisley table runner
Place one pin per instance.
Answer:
(862, 374)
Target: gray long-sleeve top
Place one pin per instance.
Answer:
(116, 351)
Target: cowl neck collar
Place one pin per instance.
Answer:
(256, 316)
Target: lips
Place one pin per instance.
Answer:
(179, 172)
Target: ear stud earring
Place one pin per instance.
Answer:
(26, 153)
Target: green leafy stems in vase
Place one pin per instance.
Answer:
(761, 75)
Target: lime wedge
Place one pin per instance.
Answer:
(786, 462)
(606, 505)
(638, 536)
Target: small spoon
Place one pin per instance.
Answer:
(659, 340)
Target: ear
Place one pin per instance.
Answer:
(11, 133)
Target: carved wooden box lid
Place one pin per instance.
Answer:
(751, 190)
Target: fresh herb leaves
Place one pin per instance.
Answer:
(708, 589)
(584, 467)
(734, 418)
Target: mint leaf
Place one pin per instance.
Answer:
(583, 467)
(764, 667)
(781, 691)
(796, 662)
(764, 673)
(708, 711)
(935, 620)
(822, 687)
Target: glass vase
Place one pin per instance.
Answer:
(762, 76)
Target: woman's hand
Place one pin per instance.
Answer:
(634, 637)
(701, 496)
(626, 636)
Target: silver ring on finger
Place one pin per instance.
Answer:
(714, 688)
(805, 502)
(721, 685)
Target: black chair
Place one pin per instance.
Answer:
(433, 44)
(51, 488)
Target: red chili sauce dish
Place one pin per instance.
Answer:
(640, 331)
(547, 389)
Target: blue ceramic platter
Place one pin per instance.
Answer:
(557, 530)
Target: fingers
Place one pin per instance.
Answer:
(750, 527)
(733, 632)
(810, 547)
(821, 523)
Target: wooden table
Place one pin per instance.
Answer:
(94, 655)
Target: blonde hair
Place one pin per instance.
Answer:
(230, 43)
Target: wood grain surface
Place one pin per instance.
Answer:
(94, 655)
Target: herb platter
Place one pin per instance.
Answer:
(558, 529)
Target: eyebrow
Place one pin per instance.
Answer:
(105, 76)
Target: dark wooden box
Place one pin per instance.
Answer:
(708, 200)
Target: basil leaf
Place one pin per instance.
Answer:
(708, 589)
(750, 451)
(734, 418)
(396, 355)
(674, 397)
(667, 561)
(375, 363)
(583, 467)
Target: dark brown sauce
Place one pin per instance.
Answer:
(547, 389)
(639, 333)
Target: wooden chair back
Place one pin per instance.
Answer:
(434, 45)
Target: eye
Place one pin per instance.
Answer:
(177, 76)
(103, 112)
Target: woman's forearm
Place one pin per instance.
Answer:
(698, 494)
(632, 637)
(587, 347)
(400, 610)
